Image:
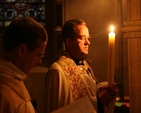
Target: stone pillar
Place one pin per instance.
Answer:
(132, 31)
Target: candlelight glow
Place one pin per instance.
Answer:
(112, 28)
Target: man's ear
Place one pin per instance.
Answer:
(68, 41)
(22, 50)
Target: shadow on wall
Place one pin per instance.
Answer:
(35, 85)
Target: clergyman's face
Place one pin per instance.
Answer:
(80, 44)
(33, 58)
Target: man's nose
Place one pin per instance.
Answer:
(87, 41)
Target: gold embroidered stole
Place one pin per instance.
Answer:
(72, 73)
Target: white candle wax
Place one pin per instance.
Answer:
(111, 56)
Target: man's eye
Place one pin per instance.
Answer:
(82, 38)
(85, 37)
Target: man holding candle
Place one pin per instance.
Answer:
(70, 77)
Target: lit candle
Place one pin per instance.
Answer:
(111, 56)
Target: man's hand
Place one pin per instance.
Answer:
(108, 94)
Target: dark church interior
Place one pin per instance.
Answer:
(99, 15)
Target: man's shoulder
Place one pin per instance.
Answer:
(55, 70)
(55, 66)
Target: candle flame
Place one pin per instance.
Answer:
(112, 28)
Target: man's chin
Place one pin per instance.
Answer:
(85, 53)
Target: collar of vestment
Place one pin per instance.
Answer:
(9, 67)
(78, 62)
